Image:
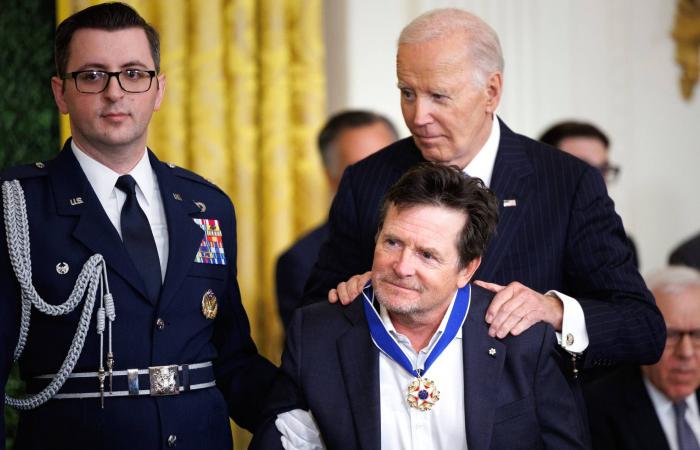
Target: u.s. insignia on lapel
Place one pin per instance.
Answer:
(211, 249)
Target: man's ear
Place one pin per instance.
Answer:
(160, 93)
(466, 273)
(494, 88)
(58, 94)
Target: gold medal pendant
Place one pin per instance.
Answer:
(422, 394)
(209, 304)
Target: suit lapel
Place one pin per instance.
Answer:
(359, 360)
(641, 415)
(511, 182)
(184, 236)
(74, 197)
(482, 373)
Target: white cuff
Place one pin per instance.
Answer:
(573, 336)
(299, 431)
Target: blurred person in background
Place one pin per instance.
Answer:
(655, 407)
(346, 138)
(588, 143)
(687, 253)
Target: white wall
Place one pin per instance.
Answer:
(610, 62)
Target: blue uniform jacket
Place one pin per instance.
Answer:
(64, 229)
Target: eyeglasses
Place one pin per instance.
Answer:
(673, 337)
(609, 172)
(95, 81)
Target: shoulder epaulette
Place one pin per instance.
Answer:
(188, 174)
(37, 169)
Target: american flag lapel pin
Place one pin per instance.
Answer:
(509, 203)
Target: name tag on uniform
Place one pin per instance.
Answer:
(211, 249)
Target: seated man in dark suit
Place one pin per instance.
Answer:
(410, 364)
(346, 138)
(687, 253)
(656, 407)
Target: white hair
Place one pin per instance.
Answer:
(481, 41)
(673, 279)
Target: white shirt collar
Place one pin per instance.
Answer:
(482, 164)
(102, 178)
(663, 403)
(389, 325)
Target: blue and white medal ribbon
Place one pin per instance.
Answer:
(422, 393)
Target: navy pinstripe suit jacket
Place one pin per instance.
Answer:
(563, 233)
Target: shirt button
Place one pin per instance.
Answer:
(172, 440)
(160, 324)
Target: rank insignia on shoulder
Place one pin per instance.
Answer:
(211, 249)
(209, 305)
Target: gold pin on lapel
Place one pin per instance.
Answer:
(209, 304)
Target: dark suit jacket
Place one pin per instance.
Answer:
(293, 269)
(621, 414)
(688, 253)
(516, 399)
(563, 233)
(68, 231)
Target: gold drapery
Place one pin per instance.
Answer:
(686, 33)
(244, 100)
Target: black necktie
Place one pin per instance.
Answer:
(138, 238)
(686, 438)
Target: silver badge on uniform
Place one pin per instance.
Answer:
(62, 268)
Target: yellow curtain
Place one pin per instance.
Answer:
(244, 100)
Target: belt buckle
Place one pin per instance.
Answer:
(164, 380)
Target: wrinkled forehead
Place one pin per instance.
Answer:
(435, 52)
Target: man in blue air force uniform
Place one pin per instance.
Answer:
(155, 351)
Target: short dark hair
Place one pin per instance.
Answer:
(105, 16)
(342, 121)
(571, 129)
(435, 184)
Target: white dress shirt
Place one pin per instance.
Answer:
(406, 428)
(664, 411)
(574, 322)
(102, 179)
